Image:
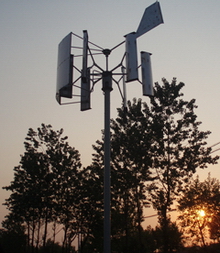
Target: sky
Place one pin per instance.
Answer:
(186, 46)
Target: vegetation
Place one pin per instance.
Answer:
(48, 191)
(155, 150)
(200, 211)
(178, 148)
(130, 169)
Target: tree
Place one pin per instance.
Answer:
(200, 210)
(91, 211)
(46, 186)
(160, 142)
(178, 148)
(17, 236)
(153, 238)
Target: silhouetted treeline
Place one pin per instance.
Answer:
(155, 150)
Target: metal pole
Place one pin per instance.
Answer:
(123, 70)
(107, 88)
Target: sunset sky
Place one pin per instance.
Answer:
(186, 46)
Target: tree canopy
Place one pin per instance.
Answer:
(200, 210)
(43, 191)
(178, 149)
(156, 147)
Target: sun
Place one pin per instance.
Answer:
(201, 213)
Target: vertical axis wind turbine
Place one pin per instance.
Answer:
(69, 74)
